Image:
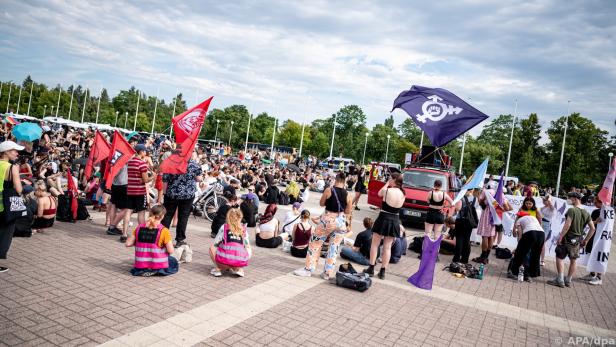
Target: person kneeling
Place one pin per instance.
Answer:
(153, 247)
(231, 249)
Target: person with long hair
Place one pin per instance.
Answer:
(387, 225)
(231, 249)
(333, 225)
(9, 178)
(435, 219)
(268, 229)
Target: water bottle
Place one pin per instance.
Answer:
(521, 274)
(481, 271)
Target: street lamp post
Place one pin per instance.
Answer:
(387, 150)
(115, 125)
(562, 151)
(363, 158)
(230, 133)
(216, 135)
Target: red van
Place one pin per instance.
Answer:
(417, 183)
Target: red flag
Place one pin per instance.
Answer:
(72, 192)
(177, 162)
(605, 195)
(190, 121)
(100, 151)
(121, 152)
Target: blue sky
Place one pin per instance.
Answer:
(306, 59)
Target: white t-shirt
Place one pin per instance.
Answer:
(291, 219)
(529, 223)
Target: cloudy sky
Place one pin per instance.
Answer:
(306, 59)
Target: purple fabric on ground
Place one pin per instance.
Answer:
(425, 274)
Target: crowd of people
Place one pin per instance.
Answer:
(44, 170)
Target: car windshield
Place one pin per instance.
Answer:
(423, 179)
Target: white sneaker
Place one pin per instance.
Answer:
(596, 281)
(303, 272)
(238, 273)
(588, 277)
(215, 272)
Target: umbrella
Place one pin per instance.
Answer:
(294, 168)
(27, 132)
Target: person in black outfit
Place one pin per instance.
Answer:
(464, 228)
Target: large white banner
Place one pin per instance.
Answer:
(556, 224)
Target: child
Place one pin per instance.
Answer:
(231, 249)
(153, 247)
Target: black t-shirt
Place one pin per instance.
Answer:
(364, 242)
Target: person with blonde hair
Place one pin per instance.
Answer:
(47, 206)
(231, 249)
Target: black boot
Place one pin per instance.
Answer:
(369, 270)
(382, 273)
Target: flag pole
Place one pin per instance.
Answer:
(515, 116)
(58, 105)
(137, 110)
(70, 108)
(155, 104)
(19, 99)
(462, 154)
(85, 100)
(562, 151)
(175, 101)
(8, 101)
(30, 98)
(100, 95)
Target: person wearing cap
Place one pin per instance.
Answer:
(530, 240)
(571, 238)
(9, 175)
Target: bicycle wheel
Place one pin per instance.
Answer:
(210, 208)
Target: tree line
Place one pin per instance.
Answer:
(586, 147)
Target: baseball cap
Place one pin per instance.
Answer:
(570, 194)
(140, 147)
(9, 145)
(297, 205)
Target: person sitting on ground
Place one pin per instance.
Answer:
(153, 246)
(47, 205)
(268, 229)
(398, 248)
(231, 249)
(291, 218)
(360, 251)
(302, 232)
(448, 244)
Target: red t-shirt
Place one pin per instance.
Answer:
(136, 167)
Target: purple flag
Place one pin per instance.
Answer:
(439, 113)
(425, 274)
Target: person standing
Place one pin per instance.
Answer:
(466, 220)
(570, 240)
(387, 224)
(9, 177)
(530, 243)
(333, 224)
(179, 195)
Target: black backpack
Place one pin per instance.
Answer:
(357, 281)
(468, 213)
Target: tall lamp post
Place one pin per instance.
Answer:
(387, 150)
(363, 158)
(230, 133)
(216, 135)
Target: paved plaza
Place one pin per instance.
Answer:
(71, 286)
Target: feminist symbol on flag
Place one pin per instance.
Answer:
(435, 110)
